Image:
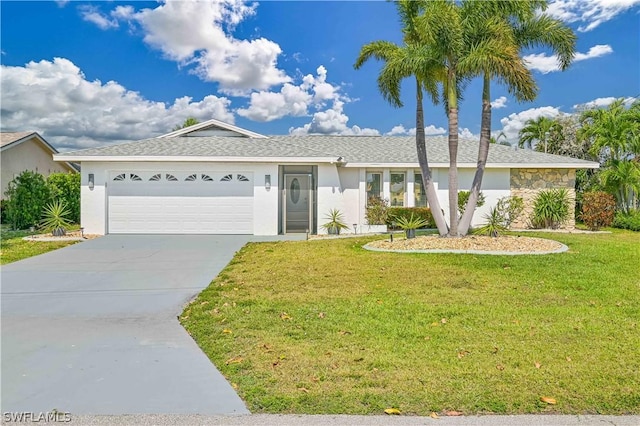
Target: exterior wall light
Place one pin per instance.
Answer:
(91, 181)
(267, 182)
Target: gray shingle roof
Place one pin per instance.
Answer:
(353, 149)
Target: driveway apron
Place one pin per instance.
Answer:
(93, 329)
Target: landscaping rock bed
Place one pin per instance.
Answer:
(470, 244)
(70, 236)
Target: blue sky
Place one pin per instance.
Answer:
(87, 74)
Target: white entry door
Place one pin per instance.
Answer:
(180, 203)
(297, 203)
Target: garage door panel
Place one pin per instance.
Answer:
(179, 207)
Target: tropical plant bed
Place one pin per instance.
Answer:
(327, 327)
(477, 243)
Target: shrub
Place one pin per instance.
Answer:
(598, 209)
(3, 211)
(501, 216)
(630, 221)
(377, 211)
(55, 218)
(509, 208)
(396, 214)
(65, 187)
(550, 208)
(495, 223)
(463, 197)
(27, 195)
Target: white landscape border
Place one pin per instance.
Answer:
(563, 248)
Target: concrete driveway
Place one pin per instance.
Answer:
(92, 328)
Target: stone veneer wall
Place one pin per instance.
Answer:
(527, 183)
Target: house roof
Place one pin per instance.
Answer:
(9, 140)
(351, 151)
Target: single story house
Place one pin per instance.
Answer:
(215, 178)
(20, 151)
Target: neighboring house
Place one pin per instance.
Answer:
(22, 151)
(217, 178)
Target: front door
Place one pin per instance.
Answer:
(297, 203)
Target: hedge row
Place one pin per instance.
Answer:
(423, 213)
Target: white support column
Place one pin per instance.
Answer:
(362, 195)
(386, 184)
(411, 200)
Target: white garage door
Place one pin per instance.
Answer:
(180, 203)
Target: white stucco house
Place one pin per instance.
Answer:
(20, 151)
(215, 178)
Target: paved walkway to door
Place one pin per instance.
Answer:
(92, 328)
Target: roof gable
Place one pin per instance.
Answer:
(12, 139)
(213, 127)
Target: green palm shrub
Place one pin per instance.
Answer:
(550, 208)
(495, 224)
(56, 218)
(335, 222)
(410, 224)
(630, 220)
(396, 213)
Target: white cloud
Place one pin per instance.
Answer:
(465, 133)
(549, 63)
(603, 102)
(293, 100)
(62, 3)
(55, 99)
(92, 14)
(501, 102)
(513, 123)
(198, 35)
(429, 130)
(592, 13)
(332, 121)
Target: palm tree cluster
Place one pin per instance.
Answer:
(609, 135)
(447, 43)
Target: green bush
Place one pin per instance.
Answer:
(396, 214)
(630, 221)
(550, 208)
(3, 211)
(598, 209)
(463, 197)
(65, 187)
(377, 211)
(27, 195)
(501, 216)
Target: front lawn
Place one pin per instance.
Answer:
(14, 248)
(327, 327)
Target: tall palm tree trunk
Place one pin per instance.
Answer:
(427, 178)
(483, 153)
(452, 99)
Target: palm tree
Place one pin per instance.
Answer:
(412, 59)
(537, 132)
(530, 29)
(615, 136)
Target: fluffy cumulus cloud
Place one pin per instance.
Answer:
(501, 102)
(549, 63)
(513, 123)
(589, 13)
(332, 121)
(429, 130)
(293, 100)
(199, 35)
(465, 133)
(56, 99)
(602, 102)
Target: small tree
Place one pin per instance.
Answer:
(190, 121)
(27, 195)
(463, 197)
(377, 211)
(65, 187)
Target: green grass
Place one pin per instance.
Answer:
(327, 327)
(14, 248)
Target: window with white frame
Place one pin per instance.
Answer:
(374, 184)
(398, 189)
(419, 192)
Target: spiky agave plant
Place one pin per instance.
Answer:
(55, 218)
